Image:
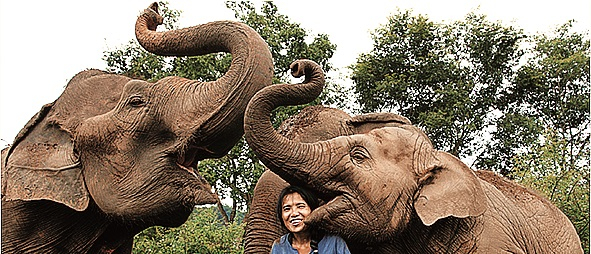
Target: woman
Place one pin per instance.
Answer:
(294, 204)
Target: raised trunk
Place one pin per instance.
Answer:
(290, 160)
(250, 71)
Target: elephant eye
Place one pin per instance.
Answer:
(358, 154)
(136, 101)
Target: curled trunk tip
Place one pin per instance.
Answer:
(152, 16)
(310, 69)
(154, 7)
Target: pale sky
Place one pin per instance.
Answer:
(45, 43)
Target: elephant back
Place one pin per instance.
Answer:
(315, 123)
(543, 219)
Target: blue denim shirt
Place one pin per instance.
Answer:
(330, 244)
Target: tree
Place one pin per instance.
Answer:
(549, 92)
(234, 175)
(445, 78)
(549, 102)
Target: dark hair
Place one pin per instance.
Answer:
(307, 195)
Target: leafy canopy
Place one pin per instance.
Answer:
(444, 77)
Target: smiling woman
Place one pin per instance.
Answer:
(293, 206)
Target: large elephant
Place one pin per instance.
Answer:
(392, 191)
(312, 124)
(113, 156)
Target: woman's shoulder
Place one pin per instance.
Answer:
(333, 244)
(281, 245)
(283, 239)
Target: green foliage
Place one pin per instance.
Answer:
(133, 61)
(286, 39)
(234, 175)
(514, 132)
(203, 68)
(550, 91)
(444, 77)
(204, 232)
(559, 71)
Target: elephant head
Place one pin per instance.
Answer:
(312, 124)
(131, 147)
(387, 190)
(368, 180)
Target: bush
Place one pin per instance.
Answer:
(204, 232)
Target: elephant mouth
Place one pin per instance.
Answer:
(190, 169)
(332, 214)
(198, 189)
(188, 161)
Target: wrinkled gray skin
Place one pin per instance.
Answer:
(113, 156)
(312, 124)
(392, 191)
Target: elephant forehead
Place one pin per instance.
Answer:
(136, 86)
(375, 142)
(390, 132)
(85, 97)
(394, 137)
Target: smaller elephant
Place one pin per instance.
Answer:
(392, 191)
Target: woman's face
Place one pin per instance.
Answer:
(294, 210)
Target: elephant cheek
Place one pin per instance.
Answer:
(107, 178)
(101, 188)
(384, 215)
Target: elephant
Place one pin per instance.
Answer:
(113, 156)
(391, 191)
(312, 124)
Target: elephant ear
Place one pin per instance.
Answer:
(449, 188)
(41, 164)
